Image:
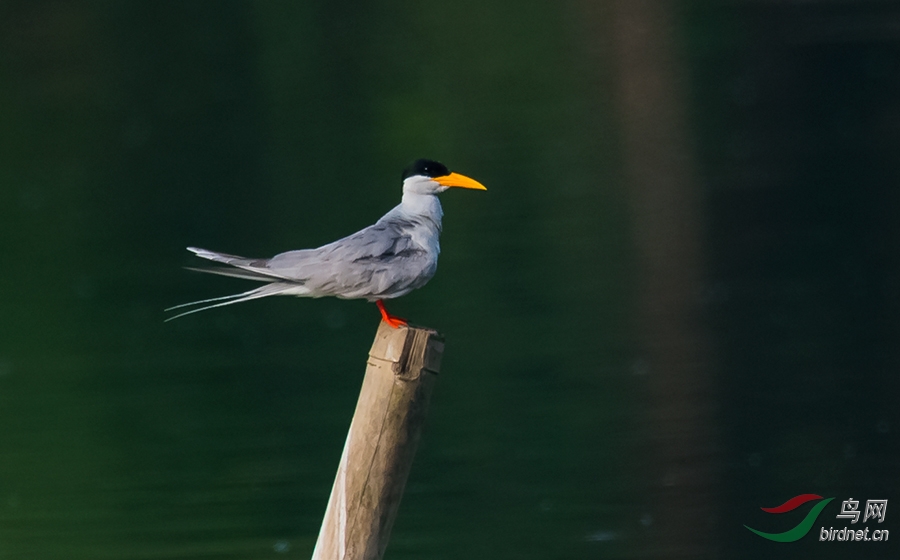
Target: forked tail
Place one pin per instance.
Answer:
(273, 289)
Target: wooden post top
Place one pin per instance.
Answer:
(410, 350)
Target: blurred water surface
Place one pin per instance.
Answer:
(676, 302)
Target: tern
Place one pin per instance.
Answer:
(386, 260)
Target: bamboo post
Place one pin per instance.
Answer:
(381, 444)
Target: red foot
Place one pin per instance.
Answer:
(395, 322)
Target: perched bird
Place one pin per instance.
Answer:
(388, 259)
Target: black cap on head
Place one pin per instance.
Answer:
(426, 167)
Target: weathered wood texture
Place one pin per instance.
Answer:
(381, 443)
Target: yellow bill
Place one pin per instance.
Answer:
(457, 180)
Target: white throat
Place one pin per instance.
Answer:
(422, 205)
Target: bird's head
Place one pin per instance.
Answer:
(425, 176)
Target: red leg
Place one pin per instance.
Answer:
(388, 318)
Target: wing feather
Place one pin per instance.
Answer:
(382, 260)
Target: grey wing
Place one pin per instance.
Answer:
(381, 260)
(250, 269)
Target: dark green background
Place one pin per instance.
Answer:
(677, 302)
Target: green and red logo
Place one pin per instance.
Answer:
(802, 528)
